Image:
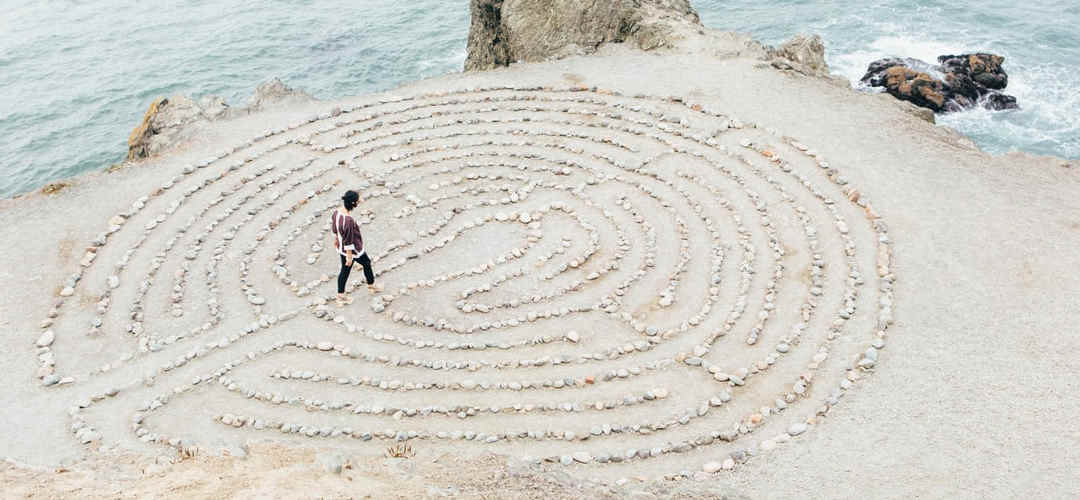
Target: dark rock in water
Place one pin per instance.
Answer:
(985, 69)
(903, 82)
(959, 81)
(997, 101)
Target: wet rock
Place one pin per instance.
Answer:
(984, 69)
(999, 101)
(903, 82)
(958, 82)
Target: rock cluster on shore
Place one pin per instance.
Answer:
(959, 81)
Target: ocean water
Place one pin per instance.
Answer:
(76, 76)
(1040, 40)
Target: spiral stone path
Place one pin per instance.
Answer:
(624, 285)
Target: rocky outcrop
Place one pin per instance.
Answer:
(139, 139)
(958, 82)
(165, 120)
(507, 31)
(170, 120)
(803, 53)
(275, 92)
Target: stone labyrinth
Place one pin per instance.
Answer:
(625, 285)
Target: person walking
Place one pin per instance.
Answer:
(350, 246)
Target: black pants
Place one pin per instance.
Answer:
(343, 275)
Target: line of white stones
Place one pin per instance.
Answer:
(247, 289)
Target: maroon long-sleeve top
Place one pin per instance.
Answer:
(346, 234)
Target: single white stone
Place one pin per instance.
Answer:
(46, 339)
(573, 336)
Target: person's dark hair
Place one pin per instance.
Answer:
(351, 199)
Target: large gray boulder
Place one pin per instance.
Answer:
(507, 31)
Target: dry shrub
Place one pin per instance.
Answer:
(403, 450)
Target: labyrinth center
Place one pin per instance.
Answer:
(619, 284)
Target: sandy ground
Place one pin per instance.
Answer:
(973, 397)
(278, 472)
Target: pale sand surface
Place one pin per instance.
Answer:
(974, 395)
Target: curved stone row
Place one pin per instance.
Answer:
(607, 210)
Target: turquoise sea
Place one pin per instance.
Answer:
(76, 76)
